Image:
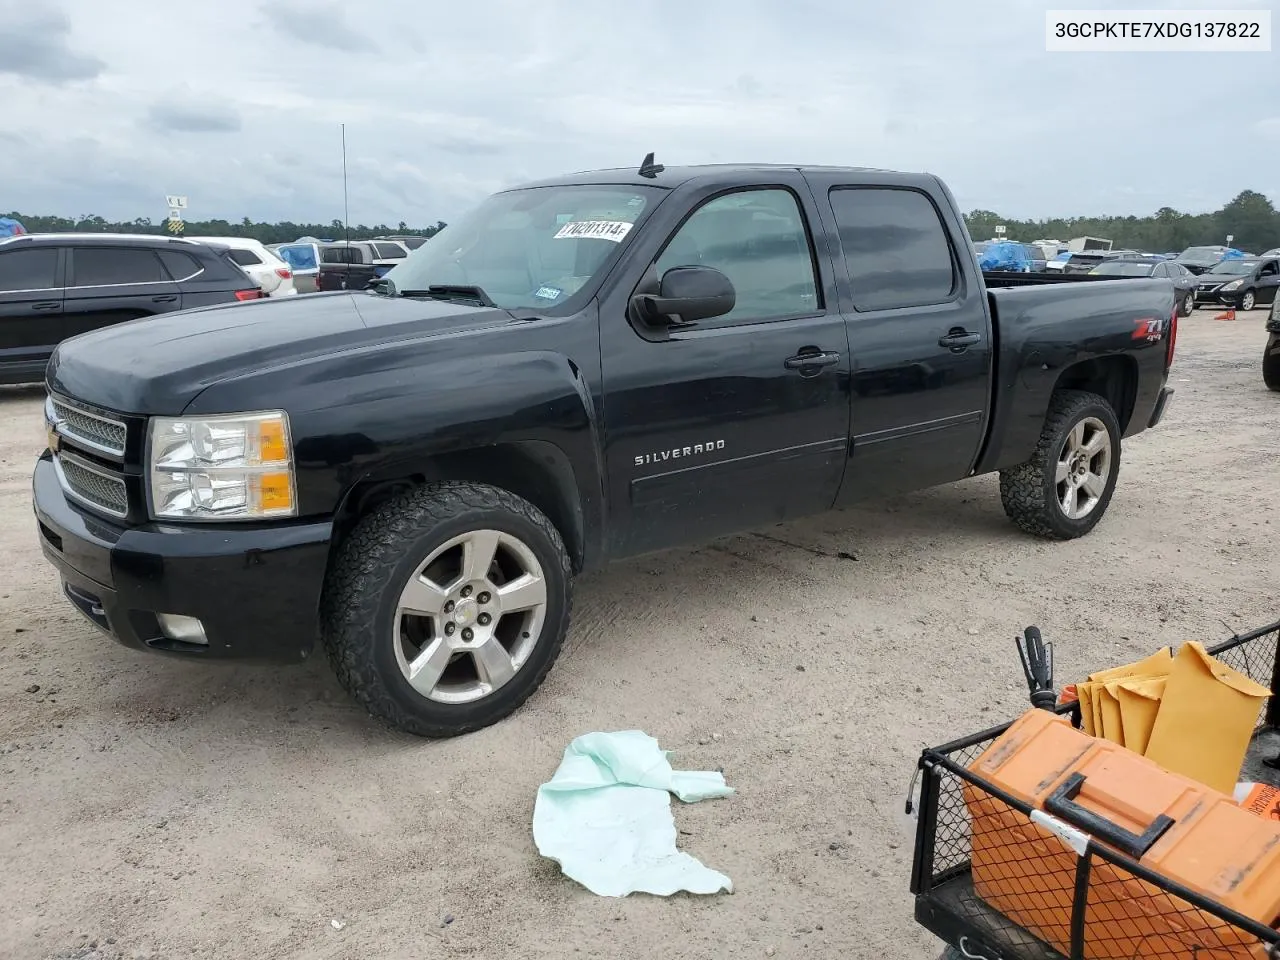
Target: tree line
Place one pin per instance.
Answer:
(1250, 220)
(282, 232)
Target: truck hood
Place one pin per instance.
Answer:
(157, 365)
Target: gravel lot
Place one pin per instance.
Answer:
(171, 810)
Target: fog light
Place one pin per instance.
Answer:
(185, 629)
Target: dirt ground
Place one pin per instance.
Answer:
(170, 810)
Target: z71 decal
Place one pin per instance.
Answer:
(1150, 329)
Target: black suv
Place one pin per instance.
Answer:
(54, 286)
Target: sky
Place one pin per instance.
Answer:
(110, 105)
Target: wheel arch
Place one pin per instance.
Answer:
(1114, 378)
(535, 470)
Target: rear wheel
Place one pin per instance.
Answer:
(446, 607)
(1186, 305)
(1064, 489)
(1271, 363)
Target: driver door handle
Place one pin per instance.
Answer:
(802, 361)
(959, 339)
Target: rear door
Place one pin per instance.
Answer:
(31, 322)
(109, 284)
(919, 334)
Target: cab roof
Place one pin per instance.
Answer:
(671, 177)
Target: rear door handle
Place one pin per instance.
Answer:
(802, 361)
(167, 298)
(959, 339)
(47, 305)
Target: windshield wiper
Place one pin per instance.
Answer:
(449, 291)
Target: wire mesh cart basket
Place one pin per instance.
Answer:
(1093, 905)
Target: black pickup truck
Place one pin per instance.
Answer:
(579, 370)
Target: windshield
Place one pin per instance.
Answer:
(1123, 268)
(1234, 267)
(530, 248)
(1200, 253)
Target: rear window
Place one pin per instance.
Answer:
(29, 269)
(895, 246)
(108, 266)
(413, 243)
(389, 251)
(246, 258)
(342, 255)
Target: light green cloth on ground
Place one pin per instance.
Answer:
(605, 817)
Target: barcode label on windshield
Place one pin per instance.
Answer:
(613, 230)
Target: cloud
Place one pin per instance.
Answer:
(322, 25)
(191, 118)
(444, 103)
(34, 46)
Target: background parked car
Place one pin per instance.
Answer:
(346, 266)
(1184, 281)
(55, 286)
(269, 271)
(303, 258)
(1244, 283)
(409, 242)
(1273, 252)
(387, 254)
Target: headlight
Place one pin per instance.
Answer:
(232, 467)
(1232, 285)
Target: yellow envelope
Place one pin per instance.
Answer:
(1108, 707)
(1206, 719)
(1157, 665)
(1084, 691)
(1139, 704)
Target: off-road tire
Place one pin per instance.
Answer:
(1028, 490)
(1271, 363)
(372, 565)
(1186, 305)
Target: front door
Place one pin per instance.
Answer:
(1268, 283)
(919, 334)
(109, 284)
(737, 421)
(30, 309)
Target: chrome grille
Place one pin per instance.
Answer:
(90, 430)
(92, 485)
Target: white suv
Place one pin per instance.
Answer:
(267, 270)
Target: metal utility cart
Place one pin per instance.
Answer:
(945, 900)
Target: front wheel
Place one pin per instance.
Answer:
(1271, 363)
(1248, 300)
(1064, 489)
(445, 608)
(1187, 304)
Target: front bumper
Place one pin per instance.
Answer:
(1230, 298)
(256, 590)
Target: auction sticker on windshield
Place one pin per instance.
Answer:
(613, 230)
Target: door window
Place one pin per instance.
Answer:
(895, 246)
(1269, 269)
(108, 266)
(759, 240)
(181, 266)
(29, 269)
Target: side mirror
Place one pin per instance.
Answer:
(687, 295)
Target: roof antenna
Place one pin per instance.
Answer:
(648, 168)
(346, 208)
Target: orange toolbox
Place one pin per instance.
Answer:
(1190, 833)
